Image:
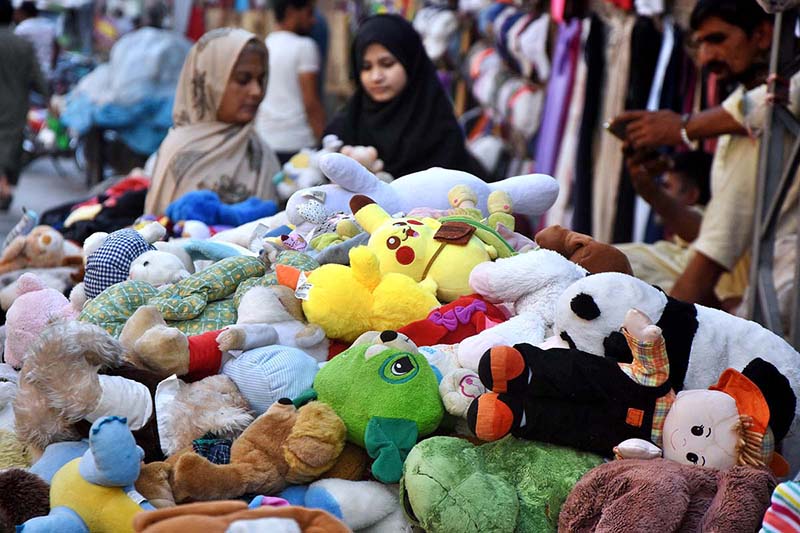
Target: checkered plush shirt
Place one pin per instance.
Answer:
(650, 367)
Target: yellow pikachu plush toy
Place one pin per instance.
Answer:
(424, 249)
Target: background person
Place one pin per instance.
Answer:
(399, 105)
(292, 116)
(212, 144)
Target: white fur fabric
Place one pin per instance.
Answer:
(123, 397)
(366, 506)
(261, 525)
(721, 341)
(533, 282)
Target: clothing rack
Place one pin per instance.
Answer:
(775, 177)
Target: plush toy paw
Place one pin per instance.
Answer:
(153, 345)
(503, 369)
(459, 389)
(471, 349)
(231, 338)
(309, 336)
(493, 416)
(640, 326)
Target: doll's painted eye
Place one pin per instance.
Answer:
(399, 368)
(692, 457)
(392, 243)
(697, 431)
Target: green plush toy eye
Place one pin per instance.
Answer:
(399, 368)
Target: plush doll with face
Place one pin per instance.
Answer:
(732, 423)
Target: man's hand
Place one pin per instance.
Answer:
(642, 170)
(651, 129)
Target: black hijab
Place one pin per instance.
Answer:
(417, 129)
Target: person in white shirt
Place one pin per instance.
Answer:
(40, 32)
(292, 116)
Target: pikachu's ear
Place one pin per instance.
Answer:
(367, 213)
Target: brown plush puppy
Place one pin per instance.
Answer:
(581, 249)
(283, 446)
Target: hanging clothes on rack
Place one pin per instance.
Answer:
(559, 94)
(588, 133)
(561, 211)
(641, 208)
(645, 46)
(608, 160)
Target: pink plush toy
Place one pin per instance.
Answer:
(35, 308)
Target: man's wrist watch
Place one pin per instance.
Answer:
(692, 145)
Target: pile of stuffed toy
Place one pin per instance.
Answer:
(383, 357)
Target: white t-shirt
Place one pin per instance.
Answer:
(42, 34)
(282, 121)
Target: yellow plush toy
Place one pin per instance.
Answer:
(424, 249)
(348, 301)
(94, 492)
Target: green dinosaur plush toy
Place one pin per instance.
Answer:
(387, 395)
(511, 485)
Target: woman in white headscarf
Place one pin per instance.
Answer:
(212, 144)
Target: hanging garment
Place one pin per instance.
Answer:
(642, 208)
(588, 135)
(645, 46)
(559, 94)
(608, 155)
(561, 211)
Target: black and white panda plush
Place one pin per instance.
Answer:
(701, 342)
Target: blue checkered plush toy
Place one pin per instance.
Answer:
(110, 263)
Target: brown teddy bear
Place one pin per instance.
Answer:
(43, 247)
(283, 446)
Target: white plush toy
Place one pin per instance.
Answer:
(701, 342)
(533, 282)
(158, 268)
(532, 194)
(302, 170)
(364, 506)
(278, 307)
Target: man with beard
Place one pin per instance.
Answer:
(292, 117)
(733, 38)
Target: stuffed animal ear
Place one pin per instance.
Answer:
(29, 283)
(93, 242)
(749, 399)
(348, 173)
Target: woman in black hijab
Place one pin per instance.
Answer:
(399, 106)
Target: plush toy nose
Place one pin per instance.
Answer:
(388, 336)
(47, 239)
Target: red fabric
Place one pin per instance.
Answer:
(428, 332)
(205, 357)
(197, 23)
(624, 4)
(133, 183)
(336, 347)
